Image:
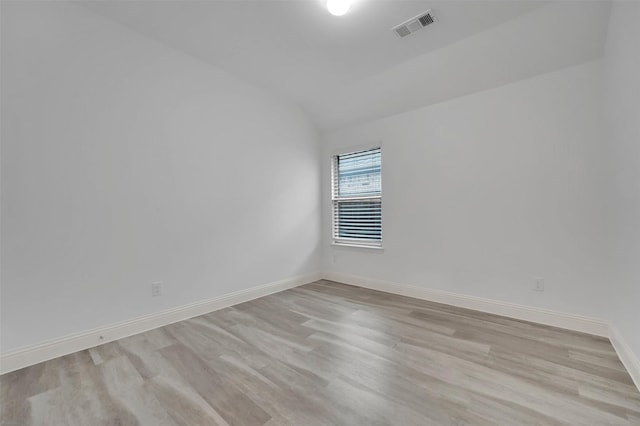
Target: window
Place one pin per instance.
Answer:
(356, 192)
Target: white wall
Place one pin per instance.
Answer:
(485, 192)
(125, 162)
(622, 111)
(117, 152)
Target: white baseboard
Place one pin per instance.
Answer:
(626, 355)
(598, 327)
(35, 354)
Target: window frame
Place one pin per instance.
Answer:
(336, 200)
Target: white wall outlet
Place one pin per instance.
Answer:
(156, 289)
(538, 284)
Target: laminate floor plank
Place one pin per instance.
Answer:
(327, 354)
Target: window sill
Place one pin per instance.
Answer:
(356, 245)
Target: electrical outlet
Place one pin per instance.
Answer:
(156, 289)
(538, 284)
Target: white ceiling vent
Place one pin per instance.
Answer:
(414, 24)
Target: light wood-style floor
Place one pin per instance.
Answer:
(331, 354)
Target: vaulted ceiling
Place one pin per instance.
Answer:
(343, 70)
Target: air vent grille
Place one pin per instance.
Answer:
(402, 31)
(414, 24)
(426, 19)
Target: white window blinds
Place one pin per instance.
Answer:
(357, 198)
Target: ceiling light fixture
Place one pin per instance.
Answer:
(338, 7)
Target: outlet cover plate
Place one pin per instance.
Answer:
(156, 289)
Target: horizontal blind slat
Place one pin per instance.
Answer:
(359, 219)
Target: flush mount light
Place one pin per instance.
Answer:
(338, 7)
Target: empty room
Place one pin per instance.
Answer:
(320, 212)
